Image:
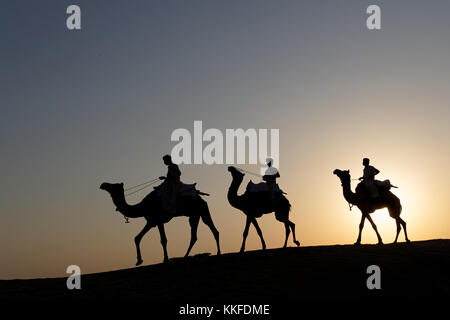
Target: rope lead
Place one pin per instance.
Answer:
(249, 172)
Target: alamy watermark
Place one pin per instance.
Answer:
(74, 280)
(73, 20)
(374, 280)
(235, 146)
(373, 21)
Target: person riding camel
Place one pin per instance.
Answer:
(270, 177)
(171, 184)
(368, 178)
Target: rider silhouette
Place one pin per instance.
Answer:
(171, 184)
(368, 178)
(270, 177)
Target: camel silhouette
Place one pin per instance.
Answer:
(151, 209)
(254, 205)
(367, 205)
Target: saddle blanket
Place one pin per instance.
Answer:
(184, 189)
(187, 189)
(261, 187)
(386, 184)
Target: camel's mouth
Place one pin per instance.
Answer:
(336, 171)
(235, 172)
(111, 187)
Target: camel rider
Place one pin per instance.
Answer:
(368, 178)
(170, 185)
(270, 177)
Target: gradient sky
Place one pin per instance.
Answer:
(82, 107)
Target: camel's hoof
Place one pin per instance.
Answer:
(242, 250)
(408, 241)
(166, 260)
(357, 243)
(380, 243)
(219, 254)
(297, 243)
(139, 262)
(264, 247)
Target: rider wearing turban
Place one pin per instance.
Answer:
(270, 177)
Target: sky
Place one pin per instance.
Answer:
(99, 104)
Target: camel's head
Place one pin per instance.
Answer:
(235, 173)
(342, 174)
(112, 188)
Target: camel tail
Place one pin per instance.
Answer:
(395, 206)
(288, 205)
(399, 209)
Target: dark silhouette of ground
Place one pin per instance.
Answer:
(255, 204)
(418, 270)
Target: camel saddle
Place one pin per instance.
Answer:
(384, 185)
(261, 187)
(184, 189)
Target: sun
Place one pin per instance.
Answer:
(411, 204)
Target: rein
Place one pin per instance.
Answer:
(144, 184)
(350, 206)
(249, 172)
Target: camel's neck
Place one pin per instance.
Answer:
(349, 195)
(232, 195)
(123, 207)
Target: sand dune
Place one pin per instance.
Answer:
(408, 271)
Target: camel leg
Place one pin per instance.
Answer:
(208, 221)
(288, 231)
(245, 234)
(361, 226)
(398, 229)
(137, 241)
(162, 234)
(403, 223)
(292, 225)
(258, 230)
(375, 228)
(193, 221)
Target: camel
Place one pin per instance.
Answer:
(151, 209)
(254, 205)
(367, 205)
